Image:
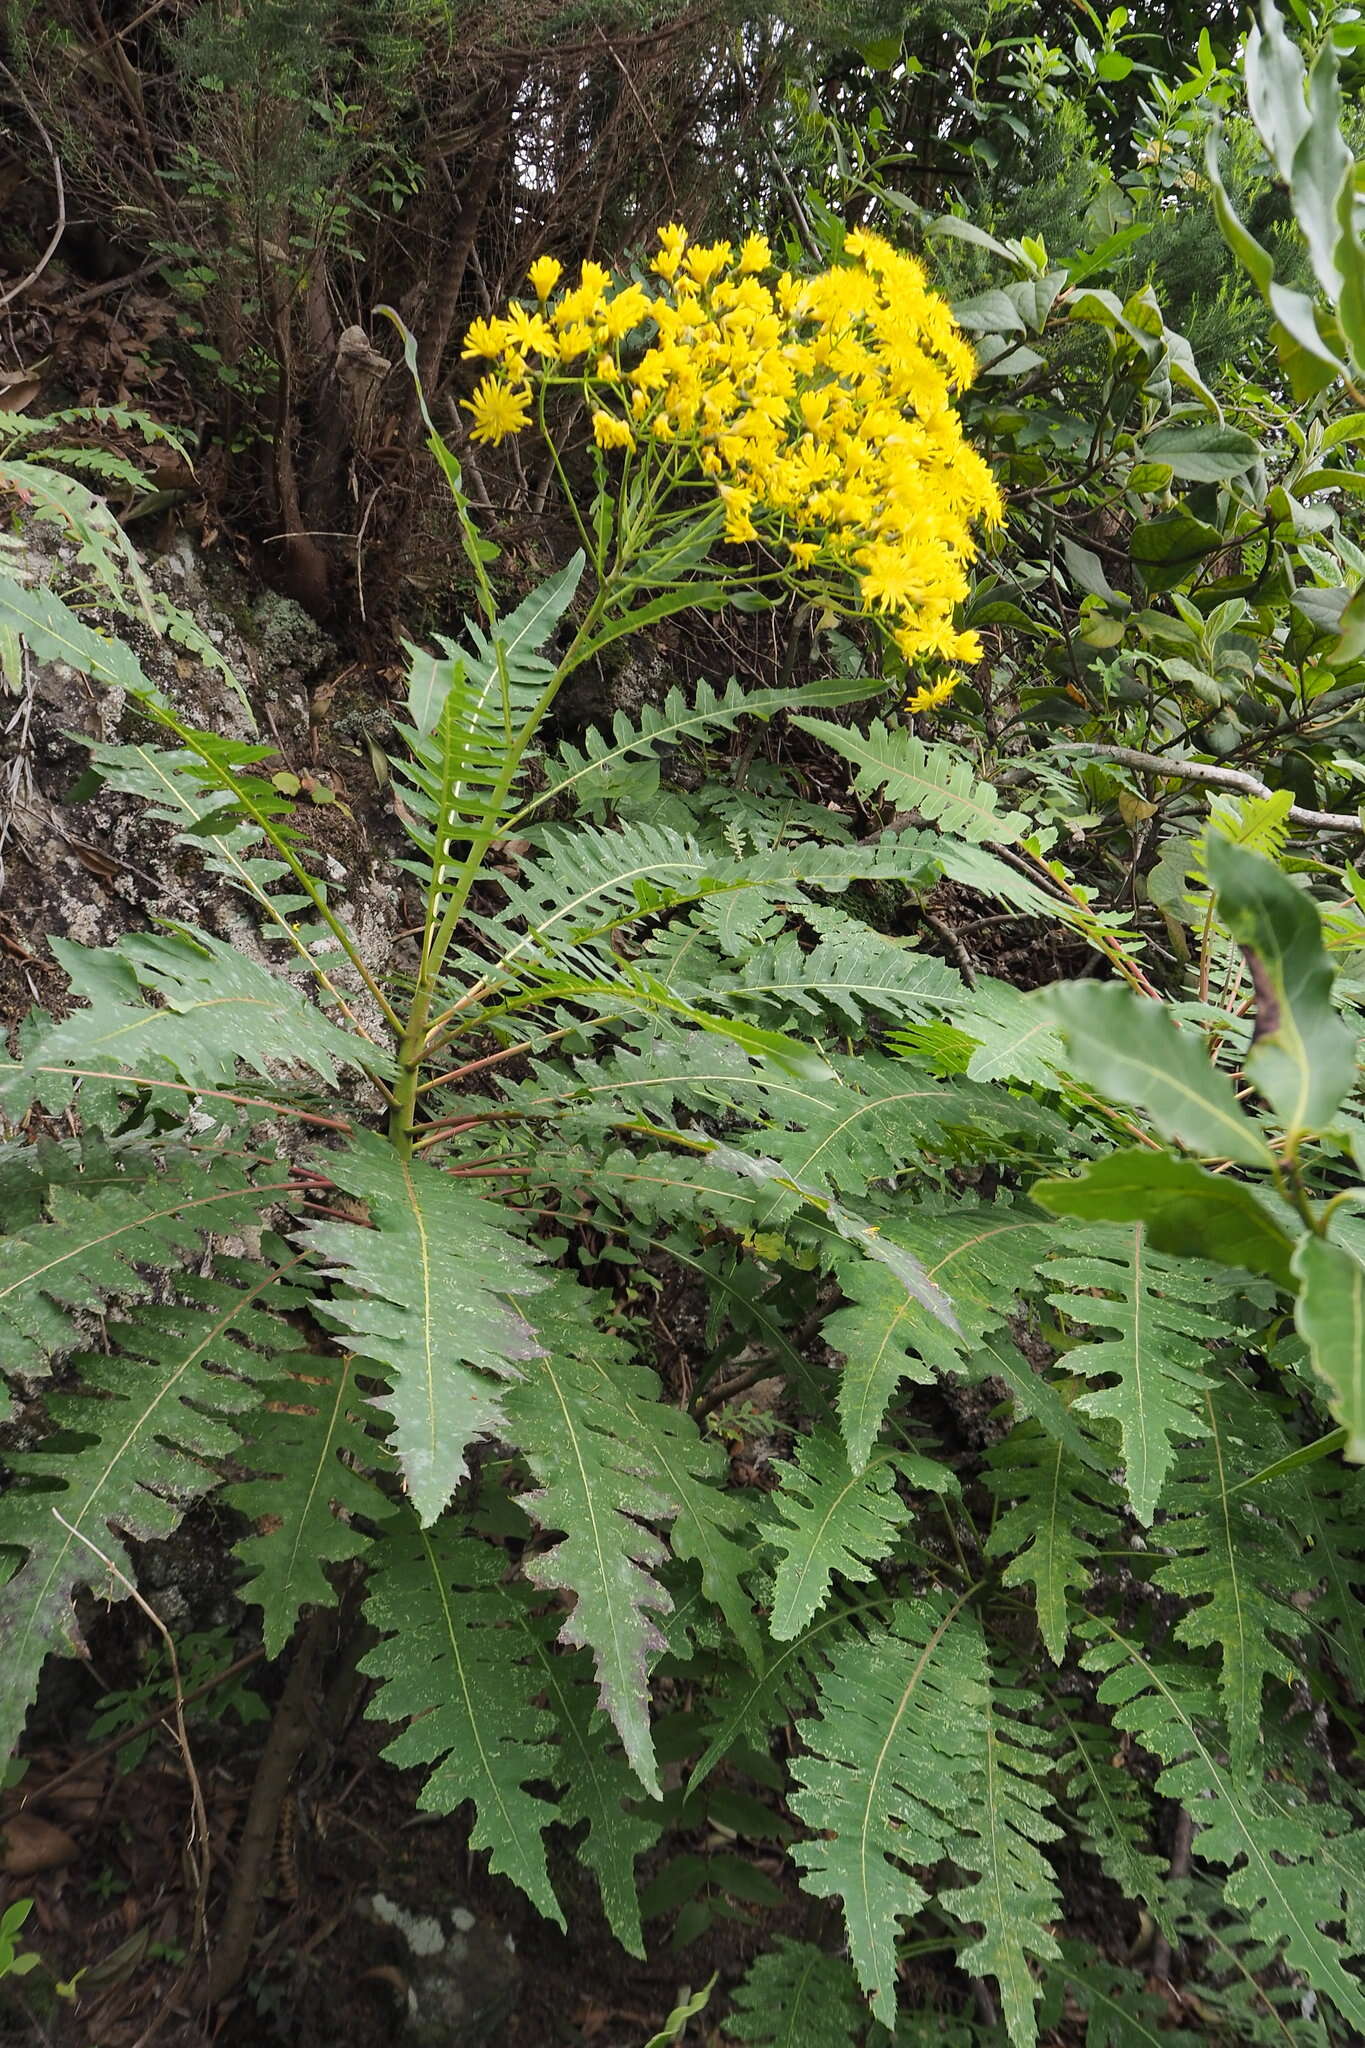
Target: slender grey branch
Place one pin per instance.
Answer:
(59, 225)
(1222, 778)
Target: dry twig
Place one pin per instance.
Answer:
(88, 1758)
(1240, 779)
(197, 1848)
(60, 227)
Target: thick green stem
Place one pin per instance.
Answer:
(419, 1036)
(440, 932)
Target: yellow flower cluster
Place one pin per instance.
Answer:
(821, 408)
(932, 695)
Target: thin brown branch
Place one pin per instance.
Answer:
(432, 1134)
(198, 1848)
(440, 314)
(89, 1758)
(740, 1383)
(60, 227)
(288, 1738)
(307, 1116)
(112, 285)
(494, 1059)
(1179, 1869)
(956, 945)
(486, 1172)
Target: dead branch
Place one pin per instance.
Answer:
(1240, 779)
(59, 228)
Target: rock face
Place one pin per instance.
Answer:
(90, 865)
(460, 1975)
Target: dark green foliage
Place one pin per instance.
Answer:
(87, 1248)
(309, 1446)
(612, 1461)
(798, 1996)
(135, 1441)
(458, 1666)
(1062, 1511)
(831, 1519)
(1160, 1314)
(438, 1329)
(915, 1755)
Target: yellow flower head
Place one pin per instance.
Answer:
(626, 310)
(528, 331)
(814, 406)
(739, 505)
(755, 254)
(584, 302)
(931, 695)
(704, 264)
(483, 338)
(544, 275)
(672, 243)
(610, 432)
(573, 341)
(497, 410)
